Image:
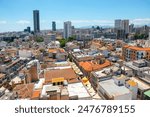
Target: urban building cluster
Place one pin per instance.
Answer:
(75, 64)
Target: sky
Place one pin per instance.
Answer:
(16, 15)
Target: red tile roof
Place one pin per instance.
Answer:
(137, 48)
(89, 66)
(36, 94)
(24, 90)
(57, 73)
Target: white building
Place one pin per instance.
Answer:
(133, 87)
(35, 62)
(78, 91)
(127, 71)
(110, 90)
(67, 29)
(125, 25)
(142, 87)
(71, 46)
(118, 24)
(3, 44)
(54, 44)
(122, 25)
(25, 53)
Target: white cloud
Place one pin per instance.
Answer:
(23, 22)
(140, 21)
(92, 21)
(3, 22)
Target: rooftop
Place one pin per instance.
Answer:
(90, 66)
(39, 84)
(36, 94)
(141, 84)
(112, 89)
(137, 48)
(79, 90)
(2, 75)
(56, 50)
(49, 88)
(24, 90)
(120, 77)
(67, 74)
(132, 83)
(130, 65)
(147, 93)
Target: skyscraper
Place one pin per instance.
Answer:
(67, 29)
(28, 29)
(122, 25)
(131, 28)
(118, 24)
(53, 26)
(36, 21)
(125, 26)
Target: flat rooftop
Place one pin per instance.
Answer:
(141, 84)
(39, 84)
(79, 90)
(139, 61)
(147, 72)
(112, 89)
(130, 65)
(100, 73)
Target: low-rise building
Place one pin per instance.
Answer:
(23, 91)
(142, 87)
(24, 53)
(138, 67)
(111, 91)
(127, 71)
(130, 53)
(146, 76)
(66, 72)
(88, 67)
(77, 91)
(50, 92)
(58, 54)
(54, 44)
(133, 86)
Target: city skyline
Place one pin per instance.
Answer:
(17, 15)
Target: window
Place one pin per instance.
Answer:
(54, 84)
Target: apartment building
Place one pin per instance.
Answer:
(130, 53)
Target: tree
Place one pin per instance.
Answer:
(71, 38)
(39, 39)
(140, 36)
(62, 42)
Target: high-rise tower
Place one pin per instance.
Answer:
(67, 29)
(36, 21)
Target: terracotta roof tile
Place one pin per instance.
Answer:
(24, 90)
(89, 66)
(57, 73)
(137, 48)
(36, 94)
